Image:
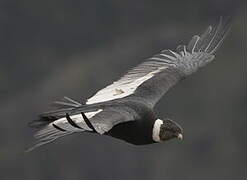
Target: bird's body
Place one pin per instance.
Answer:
(124, 109)
(139, 131)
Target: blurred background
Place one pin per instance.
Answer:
(55, 48)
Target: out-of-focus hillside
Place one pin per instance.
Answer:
(56, 48)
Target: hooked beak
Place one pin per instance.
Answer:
(180, 136)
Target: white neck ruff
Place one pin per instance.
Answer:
(156, 130)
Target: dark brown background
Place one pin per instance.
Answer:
(52, 48)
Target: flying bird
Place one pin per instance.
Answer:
(124, 109)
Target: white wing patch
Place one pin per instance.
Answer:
(49, 133)
(122, 88)
(78, 119)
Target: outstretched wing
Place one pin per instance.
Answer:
(94, 118)
(151, 79)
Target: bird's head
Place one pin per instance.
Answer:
(167, 129)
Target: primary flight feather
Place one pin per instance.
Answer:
(124, 109)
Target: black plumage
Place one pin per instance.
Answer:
(124, 109)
